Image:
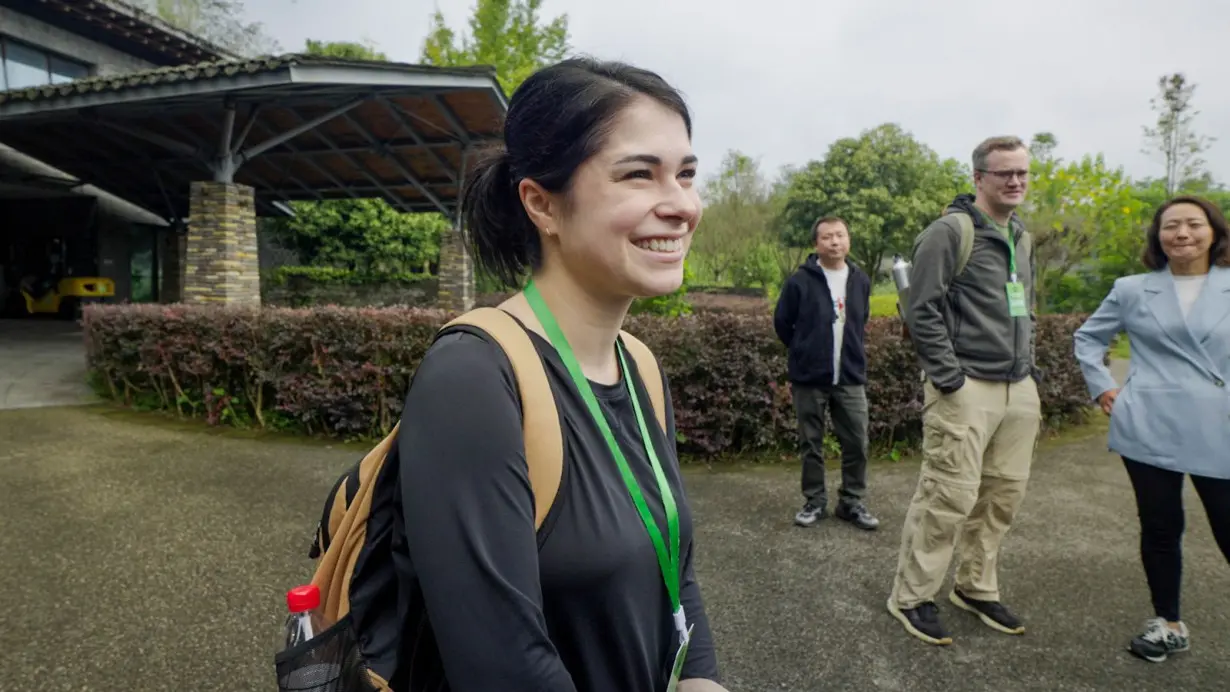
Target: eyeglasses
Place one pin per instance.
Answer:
(1006, 176)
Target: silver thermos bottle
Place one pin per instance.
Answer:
(901, 273)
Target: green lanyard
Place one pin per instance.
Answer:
(667, 561)
(1011, 254)
(1007, 232)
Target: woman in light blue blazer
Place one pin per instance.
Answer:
(1172, 416)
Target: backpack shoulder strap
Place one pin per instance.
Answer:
(967, 240)
(651, 374)
(544, 437)
(349, 521)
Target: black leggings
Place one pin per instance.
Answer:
(1159, 504)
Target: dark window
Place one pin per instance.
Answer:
(23, 65)
(66, 71)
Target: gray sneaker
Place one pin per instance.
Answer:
(809, 515)
(1159, 641)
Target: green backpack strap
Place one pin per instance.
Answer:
(964, 250)
(967, 240)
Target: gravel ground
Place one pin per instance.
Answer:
(148, 555)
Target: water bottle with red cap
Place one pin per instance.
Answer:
(305, 620)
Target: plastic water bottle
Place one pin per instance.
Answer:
(305, 620)
(901, 273)
(316, 668)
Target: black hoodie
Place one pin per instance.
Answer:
(804, 321)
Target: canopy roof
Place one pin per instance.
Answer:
(124, 27)
(293, 127)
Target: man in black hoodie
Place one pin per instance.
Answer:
(821, 317)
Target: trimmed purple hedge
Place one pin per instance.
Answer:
(344, 371)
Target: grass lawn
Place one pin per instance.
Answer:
(884, 305)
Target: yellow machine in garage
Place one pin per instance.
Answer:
(55, 291)
(67, 296)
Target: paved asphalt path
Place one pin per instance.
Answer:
(145, 555)
(42, 363)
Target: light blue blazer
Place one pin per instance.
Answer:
(1174, 408)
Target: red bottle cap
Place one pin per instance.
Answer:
(303, 598)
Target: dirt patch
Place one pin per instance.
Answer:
(721, 302)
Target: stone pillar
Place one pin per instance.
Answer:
(174, 248)
(456, 289)
(223, 266)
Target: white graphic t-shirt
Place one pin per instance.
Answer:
(837, 288)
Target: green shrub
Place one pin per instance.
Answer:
(344, 371)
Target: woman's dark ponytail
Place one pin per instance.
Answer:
(504, 240)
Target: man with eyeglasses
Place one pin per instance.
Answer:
(970, 315)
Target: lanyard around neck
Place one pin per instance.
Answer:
(1006, 231)
(1011, 252)
(668, 560)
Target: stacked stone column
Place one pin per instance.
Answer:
(456, 288)
(222, 264)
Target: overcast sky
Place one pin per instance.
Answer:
(782, 79)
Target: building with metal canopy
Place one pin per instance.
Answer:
(188, 145)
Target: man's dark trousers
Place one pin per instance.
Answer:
(847, 404)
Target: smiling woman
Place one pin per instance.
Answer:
(1168, 421)
(592, 196)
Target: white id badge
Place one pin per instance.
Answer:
(680, 656)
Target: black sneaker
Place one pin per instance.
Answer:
(809, 515)
(1159, 641)
(858, 515)
(992, 613)
(922, 621)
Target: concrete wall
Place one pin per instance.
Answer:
(104, 59)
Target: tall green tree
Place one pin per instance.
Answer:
(1174, 137)
(509, 35)
(349, 50)
(885, 183)
(1086, 220)
(218, 21)
(506, 34)
(1042, 146)
(736, 241)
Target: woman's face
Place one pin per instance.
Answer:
(1185, 233)
(628, 220)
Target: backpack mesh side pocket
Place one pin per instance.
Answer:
(328, 662)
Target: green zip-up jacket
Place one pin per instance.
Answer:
(960, 325)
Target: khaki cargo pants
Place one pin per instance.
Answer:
(978, 446)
